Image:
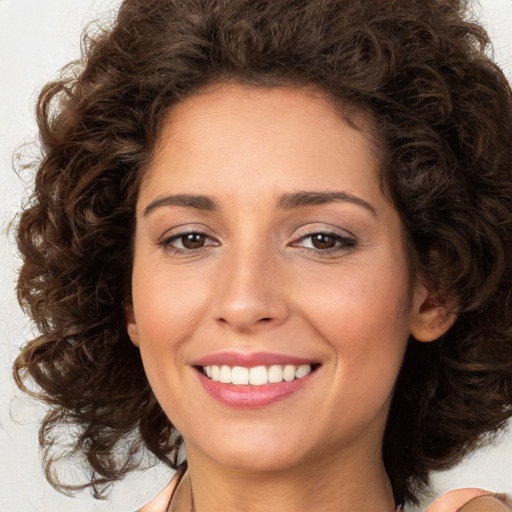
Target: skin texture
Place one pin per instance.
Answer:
(470, 500)
(485, 504)
(258, 284)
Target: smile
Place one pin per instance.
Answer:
(255, 380)
(257, 375)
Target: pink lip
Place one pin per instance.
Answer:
(251, 397)
(249, 360)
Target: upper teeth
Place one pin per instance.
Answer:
(256, 376)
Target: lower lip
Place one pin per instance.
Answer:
(251, 397)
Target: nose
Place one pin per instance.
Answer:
(250, 294)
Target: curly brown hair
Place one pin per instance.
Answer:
(442, 116)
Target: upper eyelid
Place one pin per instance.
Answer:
(185, 233)
(182, 230)
(299, 233)
(166, 243)
(312, 229)
(340, 238)
(166, 239)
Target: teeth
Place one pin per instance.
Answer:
(256, 376)
(239, 375)
(225, 374)
(302, 371)
(289, 372)
(275, 374)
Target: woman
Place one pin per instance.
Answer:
(279, 232)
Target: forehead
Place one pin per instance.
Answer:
(229, 127)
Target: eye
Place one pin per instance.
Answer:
(322, 241)
(191, 240)
(325, 242)
(187, 242)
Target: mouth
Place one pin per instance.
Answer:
(247, 383)
(257, 375)
(254, 380)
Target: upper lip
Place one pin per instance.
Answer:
(250, 360)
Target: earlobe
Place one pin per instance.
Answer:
(131, 325)
(432, 315)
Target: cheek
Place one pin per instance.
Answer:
(357, 300)
(166, 303)
(167, 312)
(363, 316)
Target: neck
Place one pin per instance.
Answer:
(361, 484)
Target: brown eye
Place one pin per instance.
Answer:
(323, 241)
(193, 240)
(187, 242)
(326, 243)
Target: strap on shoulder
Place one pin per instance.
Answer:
(452, 501)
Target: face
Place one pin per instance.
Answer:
(271, 301)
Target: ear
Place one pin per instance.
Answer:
(131, 324)
(432, 314)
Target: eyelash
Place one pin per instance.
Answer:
(341, 243)
(166, 242)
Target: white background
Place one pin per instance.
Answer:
(37, 37)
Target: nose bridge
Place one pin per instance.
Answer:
(248, 293)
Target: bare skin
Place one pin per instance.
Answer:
(485, 504)
(182, 501)
(295, 250)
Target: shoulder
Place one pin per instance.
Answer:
(485, 504)
(471, 500)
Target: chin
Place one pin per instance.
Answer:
(254, 452)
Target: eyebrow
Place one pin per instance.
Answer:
(301, 199)
(285, 202)
(198, 202)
